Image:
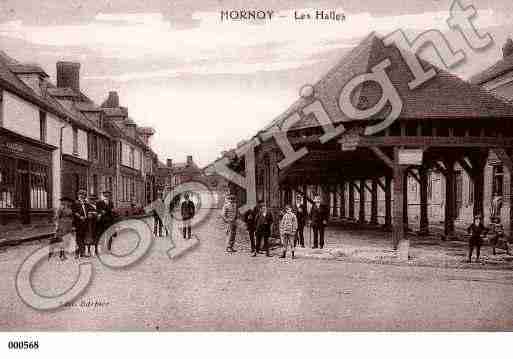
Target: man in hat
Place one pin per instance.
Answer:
(80, 210)
(476, 230)
(300, 212)
(319, 219)
(188, 211)
(104, 208)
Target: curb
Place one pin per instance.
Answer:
(48, 235)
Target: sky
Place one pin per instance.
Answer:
(206, 84)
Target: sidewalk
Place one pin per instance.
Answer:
(367, 245)
(40, 232)
(27, 234)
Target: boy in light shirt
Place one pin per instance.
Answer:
(288, 229)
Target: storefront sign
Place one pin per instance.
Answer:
(350, 141)
(13, 146)
(410, 156)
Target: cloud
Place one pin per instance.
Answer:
(221, 47)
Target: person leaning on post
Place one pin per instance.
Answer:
(229, 214)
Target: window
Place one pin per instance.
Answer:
(94, 186)
(75, 141)
(132, 190)
(42, 126)
(7, 182)
(131, 157)
(39, 186)
(498, 180)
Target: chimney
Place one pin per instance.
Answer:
(169, 163)
(507, 49)
(189, 160)
(68, 75)
(112, 101)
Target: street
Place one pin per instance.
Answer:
(208, 289)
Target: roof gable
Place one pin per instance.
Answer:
(444, 96)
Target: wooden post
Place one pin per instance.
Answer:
(335, 200)
(424, 221)
(351, 199)
(388, 202)
(400, 242)
(405, 200)
(343, 200)
(361, 214)
(305, 200)
(374, 202)
(450, 198)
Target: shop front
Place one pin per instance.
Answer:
(25, 180)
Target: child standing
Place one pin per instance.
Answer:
(288, 228)
(63, 226)
(476, 230)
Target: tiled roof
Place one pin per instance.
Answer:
(444, 96)
(73, 111)
(12, 83)
(62, 92)
(27, 69)
(501, 67)
(115, 111)
(87, 107)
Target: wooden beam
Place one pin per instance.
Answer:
(440, 168)
(464, 164)
(381, 155)
(381, 184)
(368, 187)
(414, 175)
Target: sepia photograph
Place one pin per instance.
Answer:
(255, 166)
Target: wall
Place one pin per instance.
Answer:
(67, 142)
(20, 116)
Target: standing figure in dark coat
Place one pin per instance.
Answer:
(476, 230)
(263, 221)
(319, 219)
(300, 212)
(81, 209)
(249, 219)
(104, 209)
(188, 212)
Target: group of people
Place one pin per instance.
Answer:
(86, 220)
(187, 211)
(259, 222)
(478, 231)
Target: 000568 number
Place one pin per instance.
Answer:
(23, 345)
